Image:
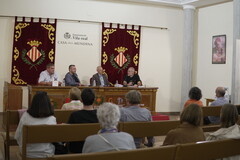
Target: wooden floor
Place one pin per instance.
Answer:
(14, 149)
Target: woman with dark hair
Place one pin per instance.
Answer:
(40, 112)
(189, 129)
(195, 94)
(229, 127)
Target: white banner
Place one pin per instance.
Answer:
(78, 43)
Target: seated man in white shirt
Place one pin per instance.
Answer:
(48, 76)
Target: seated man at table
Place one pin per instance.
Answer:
(132, 79)
(220, 101)
(71, 78)
(99, 78)
(48, 76)
(133, 113)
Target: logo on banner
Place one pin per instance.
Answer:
(33, 57)
(67, 35)
(122, 60)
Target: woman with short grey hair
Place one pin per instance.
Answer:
(108, 138)
(108, 115)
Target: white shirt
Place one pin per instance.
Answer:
(36, 150)
(73, 105)
(101, 79)
(46, 77)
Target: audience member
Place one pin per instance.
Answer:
(132, 79)
(40, 112)
(220, 101)
(189, 130)
(195, 94)
(75, 96)
(229, 127)
(133, 112)
(87, 115)
(48, 76)
(71, 78)
(100, 78)
(108, 138)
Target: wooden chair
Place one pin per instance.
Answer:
(211, 111)
(62, 116)
(56, 133)
(210, 128)
(78, 132)
(208, 150)
(10, 122)
(163, 153)
(157, 128)
(144, 129)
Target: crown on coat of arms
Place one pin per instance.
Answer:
(121, 49)
(34, 43)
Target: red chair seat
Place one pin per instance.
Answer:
(160, 117)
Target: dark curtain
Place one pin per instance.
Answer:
(120, 50)
(33, 49)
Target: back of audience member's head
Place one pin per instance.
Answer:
(41, 106)
(134, 97)
(88, 96)
(108, 115)
(220, 92)
(75, 93)
(192, 114)
(195, 93)
(229, 115)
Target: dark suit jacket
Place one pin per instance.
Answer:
(70, 81)
(97, 80)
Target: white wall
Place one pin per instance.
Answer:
(85, 57)
(214, 20)
(160, 52)
(94, 10)
(160, 65)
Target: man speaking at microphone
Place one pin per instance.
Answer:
(71, 78)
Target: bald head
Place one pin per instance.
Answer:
(100, 69)
(131, 71)
(220, 92)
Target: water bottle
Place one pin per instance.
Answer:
(94, 82)
(116, 84)
(227, 96)
(63, 83)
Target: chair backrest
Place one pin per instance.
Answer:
(56, 133)
(62, 116)
(163, 153)
(143, 129)
(208, 150)
(10, 122)
(211, 111)
(210, 128)
(10, 117)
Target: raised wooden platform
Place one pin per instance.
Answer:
(103, 94)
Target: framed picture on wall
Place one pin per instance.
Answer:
(219, 49)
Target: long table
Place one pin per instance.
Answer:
(115, 95)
